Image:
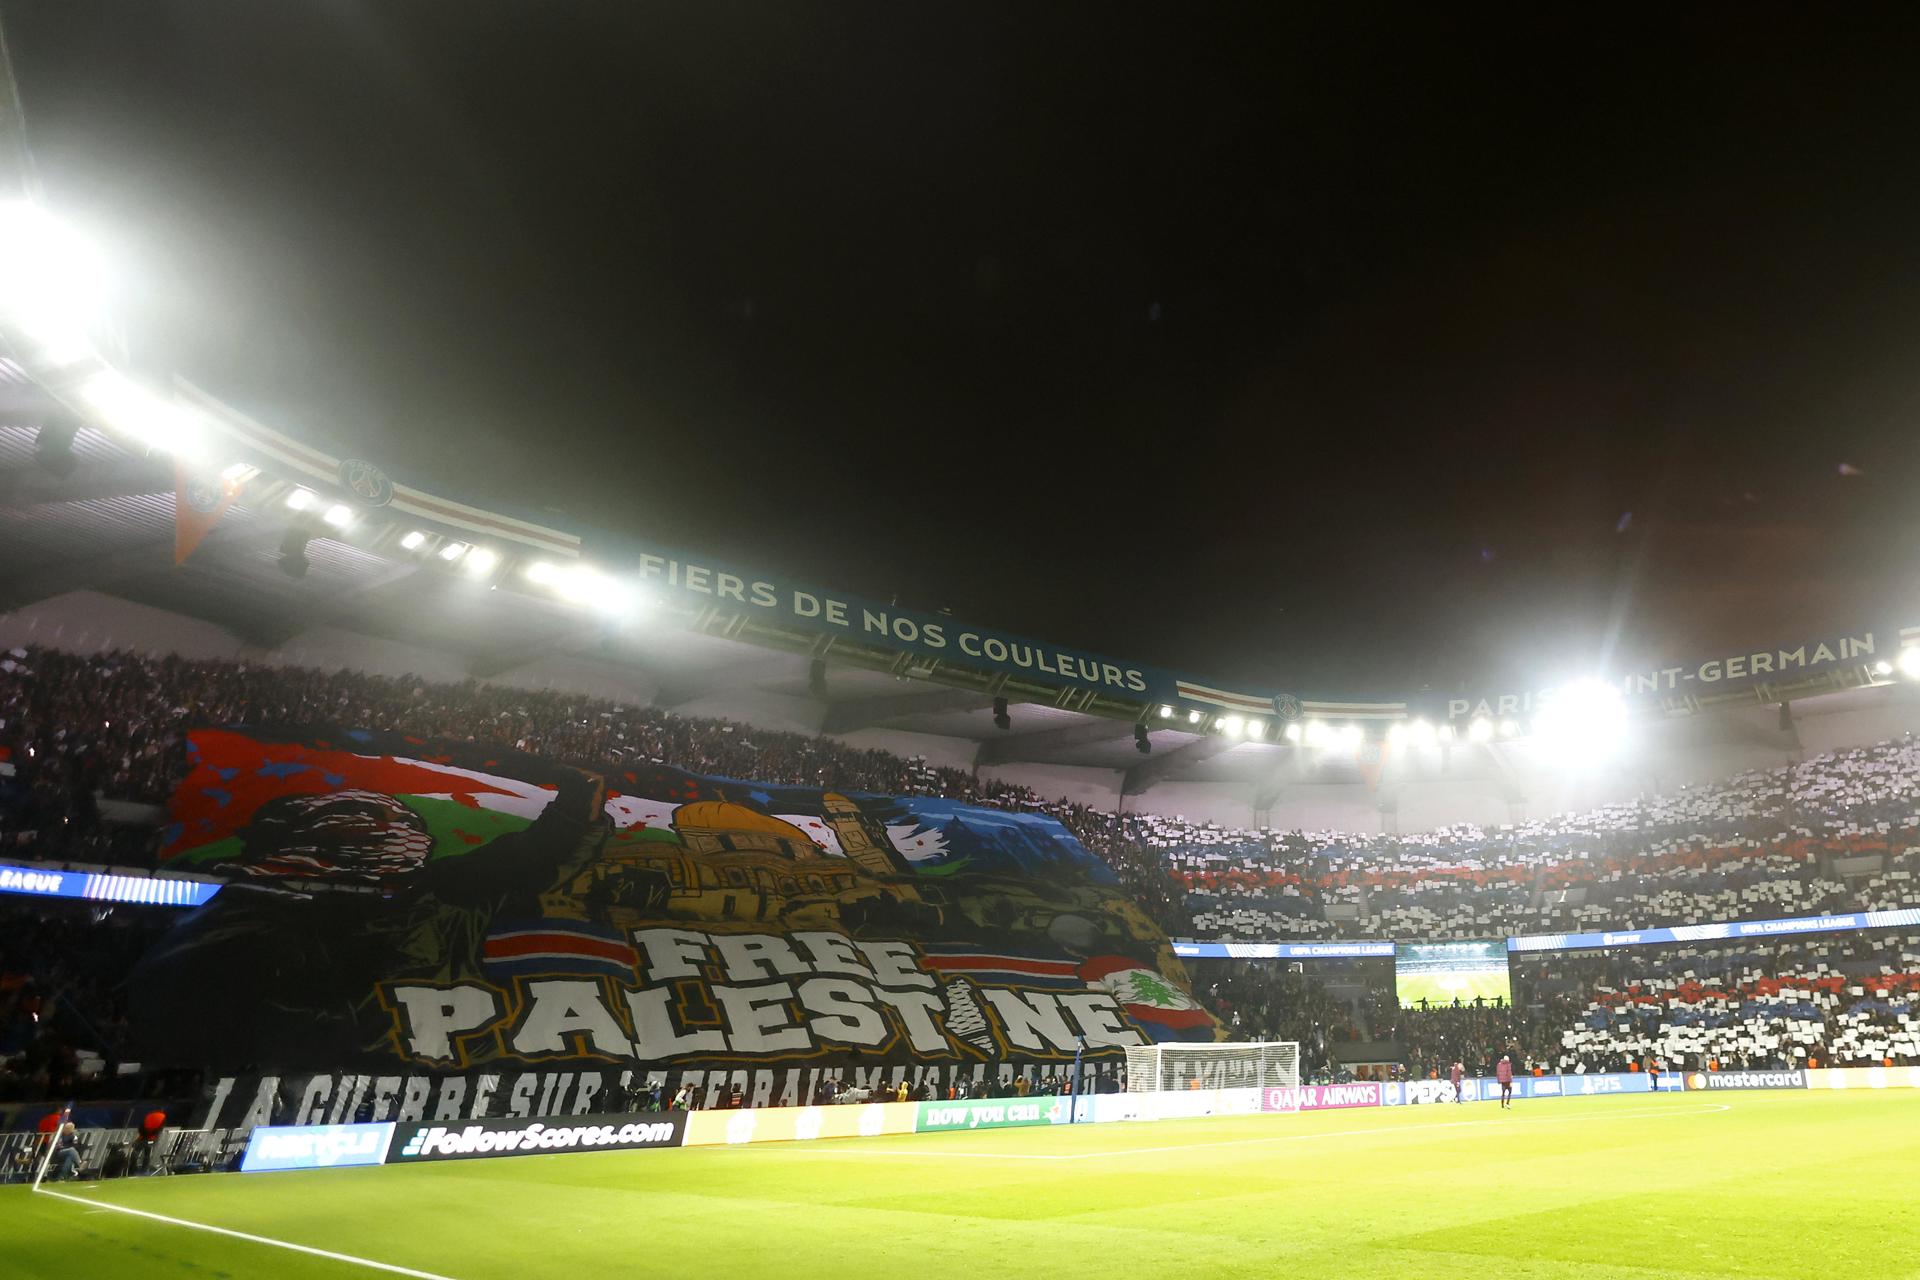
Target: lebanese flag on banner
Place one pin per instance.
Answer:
(1152, 1000)
(198, 503)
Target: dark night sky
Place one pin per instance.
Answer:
(1320, 350)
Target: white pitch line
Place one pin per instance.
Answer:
(242, 1235)
(833, 1149)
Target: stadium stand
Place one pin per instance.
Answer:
(63, 969)
(94, 745)
(110, 728)
(1840, 1001)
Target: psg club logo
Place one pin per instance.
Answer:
(1286, 706)
(366, 482)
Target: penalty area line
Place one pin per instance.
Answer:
(329, 1254)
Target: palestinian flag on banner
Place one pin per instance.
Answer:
(1162, 1009)
(234, 774)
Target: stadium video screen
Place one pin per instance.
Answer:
(1442, 972)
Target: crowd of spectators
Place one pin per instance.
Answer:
(86, 731)
(63, 1012)
(1831, 1000)
(1763, 843)
(83, 736)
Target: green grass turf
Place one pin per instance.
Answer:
(1779, 1184)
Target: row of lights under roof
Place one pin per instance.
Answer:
(478, 561)
(575, 583)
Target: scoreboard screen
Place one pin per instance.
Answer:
(1442, 972)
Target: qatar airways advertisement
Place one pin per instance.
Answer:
(1322, 1097)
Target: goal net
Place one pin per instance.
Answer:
(1243, 1065)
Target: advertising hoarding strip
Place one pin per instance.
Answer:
(544, 1135)
(104, 887)
(1732, 930)
(316, 1146)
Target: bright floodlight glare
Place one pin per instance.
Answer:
(1480, 730)
(1420, 733)
(1396, 733)
(1293, 733)
(1166, 713)
(1256, 728)
(339, 515)
(130, 409)
(414, 540)
(1350, 736)
(1508, 728)
(453, 551)
(1231, 726)
(585, 586)
(1910, 662)
(1193, 717)
(481, 561)
(1883, 668)
(300, 499)
(238, 473)
(1584, 722)
(542, 573)
(1317, 733)
(53, 283)
(1446, 733)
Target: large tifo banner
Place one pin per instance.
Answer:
(518, 915)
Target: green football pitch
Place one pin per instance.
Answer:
(1788, 1185)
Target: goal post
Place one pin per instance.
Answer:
(1229, 1065)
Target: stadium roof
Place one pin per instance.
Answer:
(98, 512)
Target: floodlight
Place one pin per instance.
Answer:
(238, 472)
(339, 515)
(1420, 733)
(579, 584)
(481, 561)
(1445, 733)
(1193, 717)
(1883, 668)
(1256, 728)
(1583, 723)
(52, 285)
(1166, 713)
(1349, 737)
(1293, 733)
(1508, 728)
(1909, 661)
(1480, 730)
(1317, 733)
(414, 540)
(1230, 726)
(301, 499)
(453, 551)
(126, 407)
(1396, 733)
